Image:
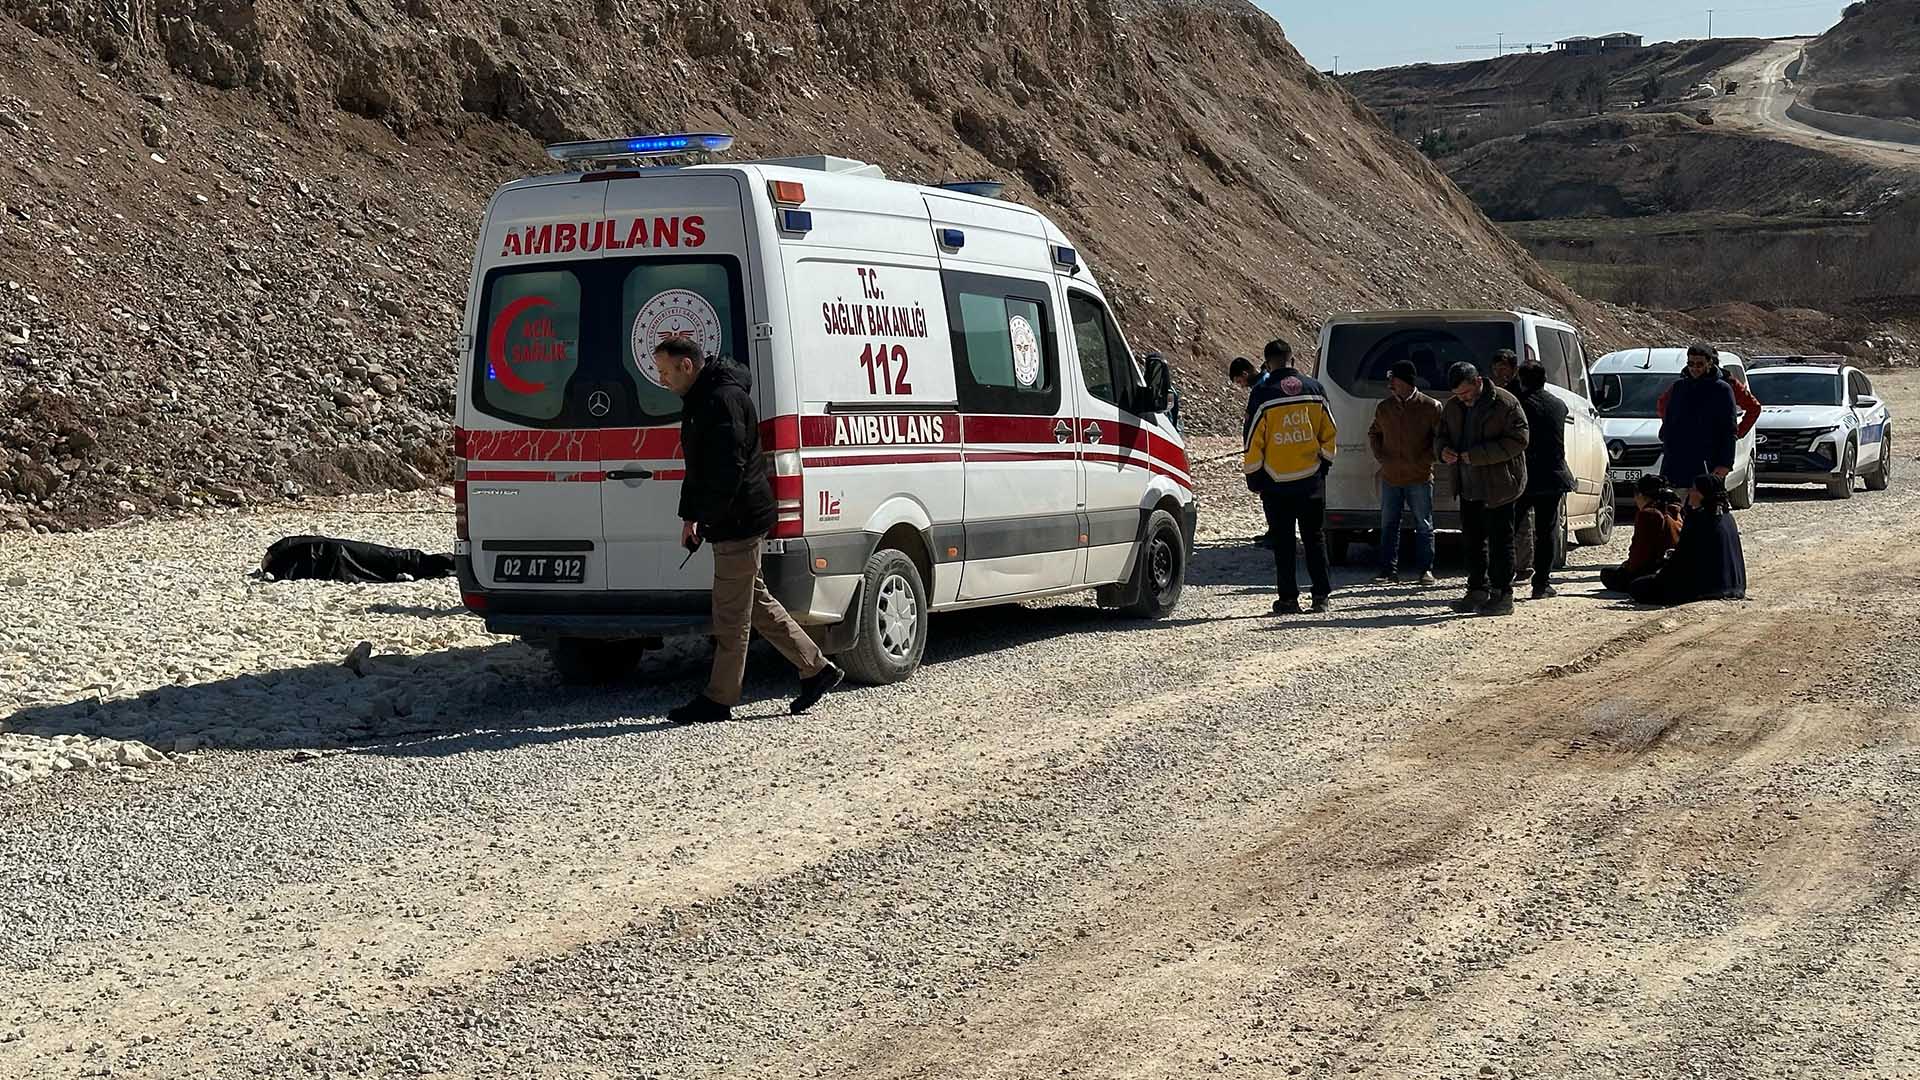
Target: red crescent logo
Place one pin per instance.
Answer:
(497, 345)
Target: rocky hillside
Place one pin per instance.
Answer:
(1534, 78)
(1874, 39)
(235, 234)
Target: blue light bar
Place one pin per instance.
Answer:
(796, 221)
(953, 238)
(642, 146)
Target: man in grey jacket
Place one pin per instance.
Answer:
(1483, 439)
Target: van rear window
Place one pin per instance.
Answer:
(570, 345)
(1360, 355)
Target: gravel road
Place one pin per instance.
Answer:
(1586, 841)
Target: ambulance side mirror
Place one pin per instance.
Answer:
(1158, 393)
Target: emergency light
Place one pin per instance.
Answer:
(641, 146)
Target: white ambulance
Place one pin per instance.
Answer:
(953, 416)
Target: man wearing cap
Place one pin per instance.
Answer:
(1697, 433)
(1402, 438)
(1290, 446)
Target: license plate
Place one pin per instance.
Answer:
(1628, 476)
(540, 569)
(1767, 458)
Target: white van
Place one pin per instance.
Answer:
(953, 416)
(1626, 387)
(1358, 348)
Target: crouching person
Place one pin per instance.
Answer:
(727, 500)
(1656, 529)
(1707, 563)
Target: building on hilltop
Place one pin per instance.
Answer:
(1589, 46)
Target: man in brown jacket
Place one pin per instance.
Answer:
(1402, 437)
(1483, 437)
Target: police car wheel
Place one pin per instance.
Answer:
(1882, 475)
(586, 661)
(1160, 571)
(1841, 486)
(892, 633)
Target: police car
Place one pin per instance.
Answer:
(953, 415)
(1821, 422)
(1627, 389)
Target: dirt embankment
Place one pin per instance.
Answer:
(1874, 39)
(1532, 78)
(235, 237)
(1896, 98)
(1662, 163)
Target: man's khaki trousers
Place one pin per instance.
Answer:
(742, 606)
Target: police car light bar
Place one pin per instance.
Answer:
(643, 146)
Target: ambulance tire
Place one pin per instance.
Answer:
(590, 661)
(892, 634)
(1160, 571)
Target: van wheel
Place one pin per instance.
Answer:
(1602, 530)
(892, 635)
(1160, 573)
(592, 661)
(1841, 486)
(1882, 475)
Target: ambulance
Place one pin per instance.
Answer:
(953, 416)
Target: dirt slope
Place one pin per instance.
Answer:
(1530, 78)
(1638, 164)
(1874, 39)
(235, 236)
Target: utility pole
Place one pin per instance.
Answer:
(1709, 24)
(1336, 65)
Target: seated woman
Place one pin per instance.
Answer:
(1656, 528)
(1707, 563)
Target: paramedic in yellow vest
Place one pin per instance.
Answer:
(1290, 447)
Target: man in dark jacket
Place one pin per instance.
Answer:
(1548, 477)
(1697, 434)
(1483, 439)
(727, 500)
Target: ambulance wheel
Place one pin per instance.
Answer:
(587, 661)
(892, 635)
(1160, 573)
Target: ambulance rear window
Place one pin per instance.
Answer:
(531, 343)
(663, 300)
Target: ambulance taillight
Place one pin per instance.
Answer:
(789, 486)
(460, 484)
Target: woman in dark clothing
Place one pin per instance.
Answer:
(1707, 564)
(1656, 529)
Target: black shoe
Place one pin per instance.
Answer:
(701, 710)
(1500, 603)
(1472, 602)
(1319, 604)
(1525, 574)
(1543, 592)
(1386, 573)
(1287, 607)
(815, 686)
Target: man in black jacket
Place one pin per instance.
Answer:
(727, 500)
(1548, 477)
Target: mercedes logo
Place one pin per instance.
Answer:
(599, 403)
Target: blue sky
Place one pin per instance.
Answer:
(1386, 33)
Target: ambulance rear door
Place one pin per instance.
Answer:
(675, 264)
(526, 424)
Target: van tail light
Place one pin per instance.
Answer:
(1532, 357)
(474, 601)
(789, 493)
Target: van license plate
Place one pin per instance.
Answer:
(540, 569)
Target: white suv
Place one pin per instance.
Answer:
(1822, 424)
